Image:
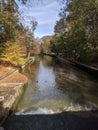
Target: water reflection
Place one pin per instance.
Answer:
(55, 87)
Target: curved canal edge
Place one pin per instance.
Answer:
(89, 69)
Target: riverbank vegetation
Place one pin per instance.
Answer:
(45, 46)
(16, 39)
(76, 33)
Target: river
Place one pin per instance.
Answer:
(54, 87)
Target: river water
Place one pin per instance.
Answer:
(54, 87)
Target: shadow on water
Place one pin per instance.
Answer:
(63, 121)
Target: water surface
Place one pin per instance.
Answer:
(54, 87)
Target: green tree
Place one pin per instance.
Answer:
(60, 26)
(45, 46)
(30, 36)
(58, 44)
(8, 22)
(81, 30)
(11, 30)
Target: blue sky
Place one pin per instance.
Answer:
(45, 13)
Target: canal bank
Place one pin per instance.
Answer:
(12, 85)
(10, 95)
(87, 68)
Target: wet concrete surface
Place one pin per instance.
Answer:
(62, 121)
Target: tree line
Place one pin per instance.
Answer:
(76, 33)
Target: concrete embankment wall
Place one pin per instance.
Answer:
(18, 95)
(11, 93)
(13, 96)
(12, 86)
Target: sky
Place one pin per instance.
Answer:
(46, 14)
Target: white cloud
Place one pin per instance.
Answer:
(45, 13)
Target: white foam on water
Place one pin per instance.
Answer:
(71, 107)
(38, 111)
(79, 107)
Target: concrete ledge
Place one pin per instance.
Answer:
(12, 85)
(9, 99)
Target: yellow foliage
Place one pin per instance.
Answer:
(12, 53)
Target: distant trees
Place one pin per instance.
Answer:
(78, 30)
(45, 46)
(30, 37)
(37, 47)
